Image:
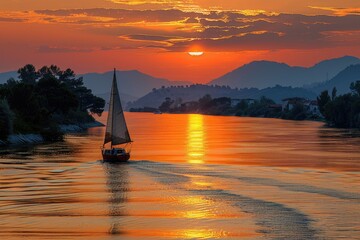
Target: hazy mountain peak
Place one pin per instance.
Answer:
(341, 81)
(262, 74)
(345, 59)
(266, 63)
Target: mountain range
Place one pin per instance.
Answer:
(132, 83)
(196, 91)
(341, 81)
(262, 74)
(257, 78)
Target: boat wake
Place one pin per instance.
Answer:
(237, 187)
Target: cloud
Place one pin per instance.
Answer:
(188, 5)
(142, 2)
(125, 15)
(253, 41)
(339, 11)
(55, 49)
(178, 30)
(152, 38)
(7, 19)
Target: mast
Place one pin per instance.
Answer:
(113, 87)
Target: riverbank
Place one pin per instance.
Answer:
(294, 109)
(17, 139)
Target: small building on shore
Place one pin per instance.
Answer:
(311, 106)
(289, 103)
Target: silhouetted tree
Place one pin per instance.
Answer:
(47, 72)
(66, 75)
(55, 96)
(205, 100)
(344, 110)
(28, 74)
(6, 119)
(97, 105)
(44, 98)
(333, 93)
(322, 100)
(166, 105)
(355, 87)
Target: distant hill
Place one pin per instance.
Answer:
(7, 75)
(254, 80)
(278, 93)
(194, 92)
(262, 74)
(341, 81)
(133, 83)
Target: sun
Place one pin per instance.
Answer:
(196, 54)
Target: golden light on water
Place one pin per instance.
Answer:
(201, 234)
(196, 139)
(184, 201)
(202, 184)
(195, 201)
(198, 214)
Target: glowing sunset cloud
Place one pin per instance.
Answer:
(93, 35)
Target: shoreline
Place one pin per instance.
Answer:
(31, 138)
(224, 115)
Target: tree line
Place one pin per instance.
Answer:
(42, 99)
(341, 111)
(263, 107)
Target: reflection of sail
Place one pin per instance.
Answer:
(117, 182)
(196, 138)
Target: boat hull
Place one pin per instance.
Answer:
(116, 158)
(115, 155)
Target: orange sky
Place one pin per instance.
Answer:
(154, 36)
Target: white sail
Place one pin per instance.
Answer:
(116, 129)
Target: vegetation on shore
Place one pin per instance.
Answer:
(44, 98)
(263, 107)
(341, 111)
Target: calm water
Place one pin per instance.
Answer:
(191, 177)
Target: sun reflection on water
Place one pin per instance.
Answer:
(195, 201)
(198, 214)
(202, 208)
(196, 139)
(201, 234)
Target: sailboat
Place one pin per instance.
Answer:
(116, 133)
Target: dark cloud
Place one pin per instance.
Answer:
(150, 37)
(126, 15)
(6, 19)
(48, 49)
(215, 31)
(254, 41)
